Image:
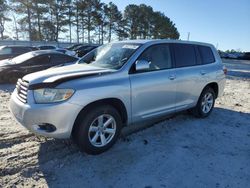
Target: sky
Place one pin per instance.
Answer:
(223, 23)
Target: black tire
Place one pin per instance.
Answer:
(198, 109)
(81, 131)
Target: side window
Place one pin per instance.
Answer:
(70, 59)
(158, 56)
(21, 50)
(6, 51)
(184, 55)
(60, 59)
(40, 60)
(207, 55)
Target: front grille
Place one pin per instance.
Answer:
(22, 90)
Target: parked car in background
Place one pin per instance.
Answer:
(65, 51)
(11, 51)
(19, 66)
(46, 47)
(235, 55)
(84, 49)
(72, 47)
(119, 84)
(223, 54)
(246, 56)
(232, 56)
(62, 50)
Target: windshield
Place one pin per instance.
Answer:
(111, 56)
(24, 57)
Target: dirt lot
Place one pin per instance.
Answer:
(180, 152)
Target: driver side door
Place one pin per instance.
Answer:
(153, 91)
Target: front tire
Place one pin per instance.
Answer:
(98, 129)
(205, 103)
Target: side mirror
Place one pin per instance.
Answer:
(142, 65)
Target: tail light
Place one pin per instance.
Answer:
(224, 70)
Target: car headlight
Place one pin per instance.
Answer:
(49, 95)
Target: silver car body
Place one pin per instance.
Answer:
(144, 96)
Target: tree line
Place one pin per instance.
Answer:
(90, 21)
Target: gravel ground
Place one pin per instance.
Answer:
(181, 151)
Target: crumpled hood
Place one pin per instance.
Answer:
(62, 73)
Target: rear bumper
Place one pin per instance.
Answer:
(61, 115)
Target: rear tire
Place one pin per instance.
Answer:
(97, 129)
(205, 103)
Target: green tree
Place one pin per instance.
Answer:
(33, 14)
(163, 27)
(49, 19)
(122, 30)
(24, 7)
(88, 12)
(101, 21)
(132, 19)
(70, 15)
(58, 18)
(114, 17)
(4, 8)
(143, 23)
(39, 9)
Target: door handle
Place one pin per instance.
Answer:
(203, 72)
(171, 77)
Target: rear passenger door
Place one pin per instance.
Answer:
(189, 78)
(153, 91)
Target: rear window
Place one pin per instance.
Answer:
(207, 55)
(185, 55)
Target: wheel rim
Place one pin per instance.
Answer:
(102, 130)
(207, 103)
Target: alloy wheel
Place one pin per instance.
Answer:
(102, 130)
(207, 102)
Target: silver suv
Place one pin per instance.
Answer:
(119, 84)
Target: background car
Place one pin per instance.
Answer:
(11, 70)
(223, 54)
(84, 49)
(72, 47)
(46, 47)
(246, 56)
(11, 51)
(65, 51)
(62, 50)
